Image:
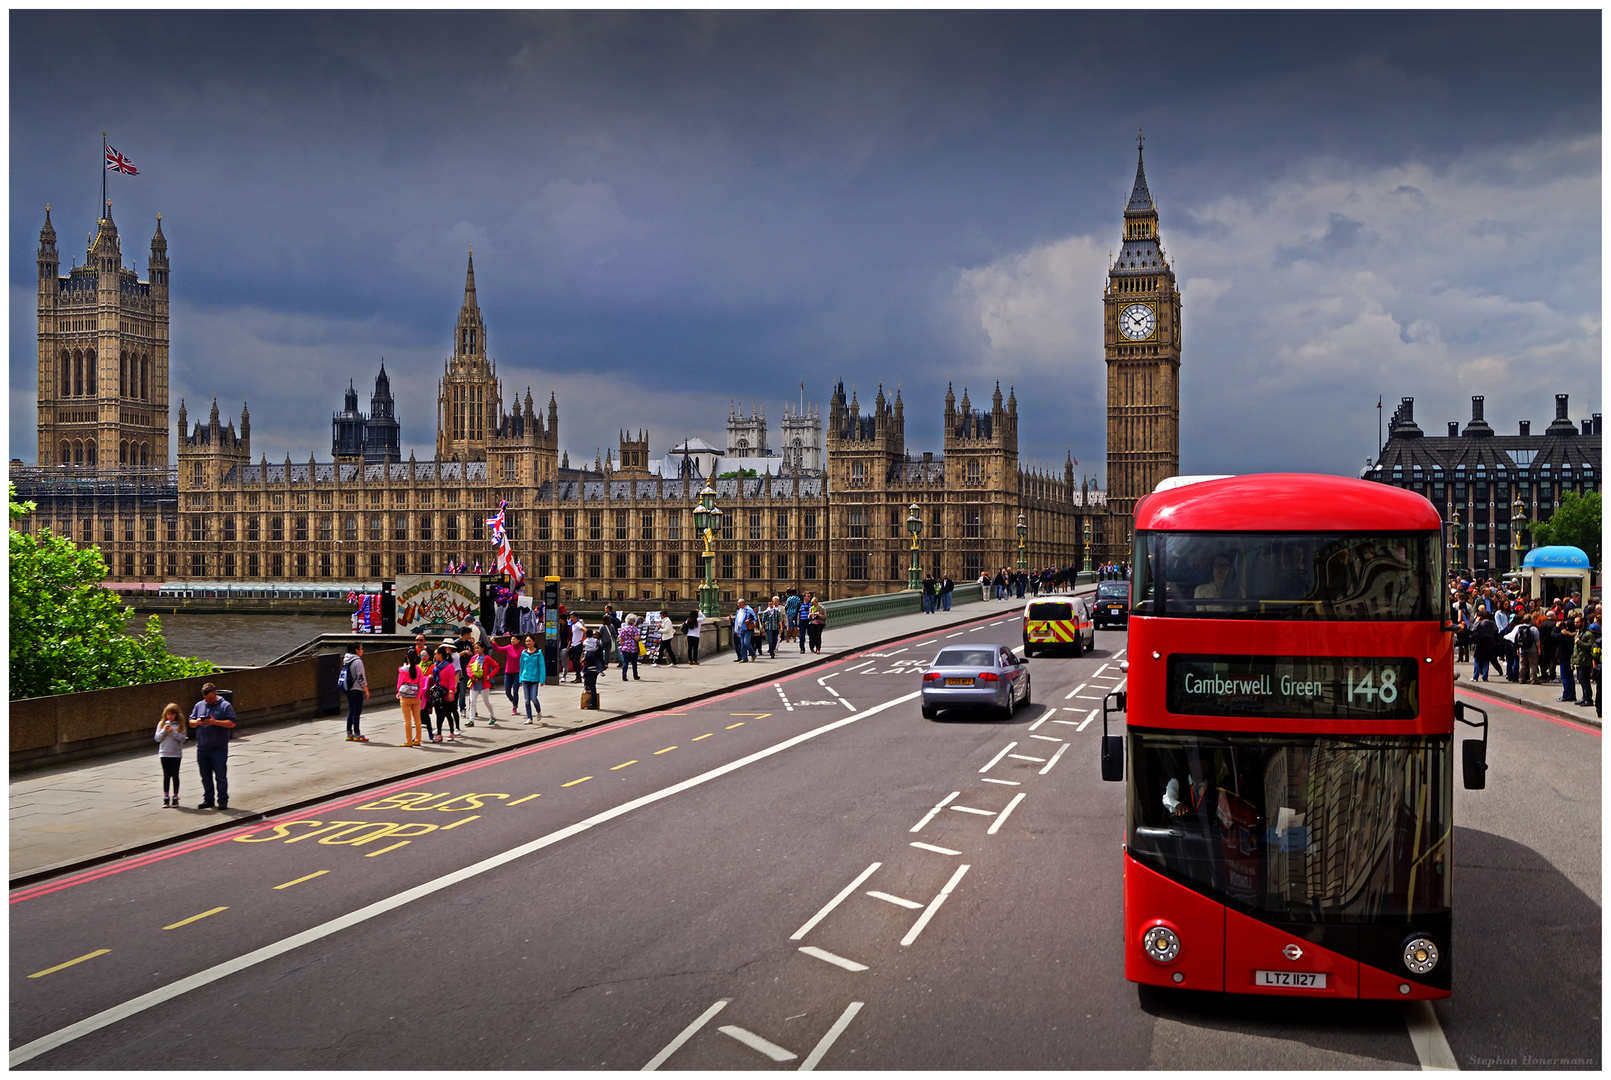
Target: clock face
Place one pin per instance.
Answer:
(1136, 322)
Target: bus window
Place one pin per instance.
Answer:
(1288, 576)
(1297, 828)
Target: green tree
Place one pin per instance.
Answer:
(1575, 523)
(68, 631)
(736, 473)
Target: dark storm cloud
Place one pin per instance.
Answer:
(670, 210)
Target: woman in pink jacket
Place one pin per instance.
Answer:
(509, 655)
(411, 680)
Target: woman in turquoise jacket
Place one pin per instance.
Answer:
(533, 672)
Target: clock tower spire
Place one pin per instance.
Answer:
(1141, 335)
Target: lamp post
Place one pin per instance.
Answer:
(1087, 544)
(1454, 537)
(707, 519)
(914, 525)
(1518, 518)
(1023, 531)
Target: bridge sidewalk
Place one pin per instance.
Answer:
(82, 813)
(1540, 697)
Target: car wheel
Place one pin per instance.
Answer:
(1079, 643)
(1029, 650)
(930, 712)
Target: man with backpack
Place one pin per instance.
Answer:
(355, 684)
(1527, 639)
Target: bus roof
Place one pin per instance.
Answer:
(1287, 502)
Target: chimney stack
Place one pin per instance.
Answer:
(1525, 426)
(1454, 429)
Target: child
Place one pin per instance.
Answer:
(170, 747)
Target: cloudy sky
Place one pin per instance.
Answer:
(672, 211)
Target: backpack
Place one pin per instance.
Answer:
(344, 680)
(436, 697)
(1527, 636)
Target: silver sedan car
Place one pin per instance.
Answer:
(988, 675)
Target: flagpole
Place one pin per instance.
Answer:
(102, 215)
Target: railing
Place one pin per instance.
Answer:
(75, 480)
(855, 609)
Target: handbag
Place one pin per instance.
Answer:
(643, 649)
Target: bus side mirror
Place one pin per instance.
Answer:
(1473, 764)
(1113, 757)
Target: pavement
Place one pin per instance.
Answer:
(1541, 697)
(76, 815)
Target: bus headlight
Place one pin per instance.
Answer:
(1160, 943)
(1420, 956)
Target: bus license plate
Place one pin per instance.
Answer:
(1304, 980)
(959, 682)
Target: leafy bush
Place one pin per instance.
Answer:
(68, 631)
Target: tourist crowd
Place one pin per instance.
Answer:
(1527, 640)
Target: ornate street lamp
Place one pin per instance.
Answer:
(1454, 537)
(1023, 531)
(707, 519)
(1518, 518)
(1088, 544)
(914, 525)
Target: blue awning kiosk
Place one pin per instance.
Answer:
(1554, 571)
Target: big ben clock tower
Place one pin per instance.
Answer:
(1141, 332)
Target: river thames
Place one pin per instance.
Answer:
(241, 640)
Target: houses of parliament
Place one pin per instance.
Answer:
(832, 519)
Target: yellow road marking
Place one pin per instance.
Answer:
(756, 715)
(461, 821)
(623, 764)
(707, 735)
(528, 798)
(573, 783)
(70, 963)
(730, 727)
(300, 880)
(666, 750)
(193, 918)
(394, 847)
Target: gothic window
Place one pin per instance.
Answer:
(727, 529)
(673, 564)
(78, 372)
(621, 565)
(128, 530)
(809, 525)
(647, 525)
(897, 571)
(229, 529)
(595, 526)
(123, 374)
(89, 371)
(427, 527)
(782, 525)
(673, 525)
(755, 526)
(78, 453)
(543, 530)
(251, 530)
(123, 452)
(377, 527)
(450, 527)
(858, 566)
(935, 531)
(620, 528)
(276, 528)
(974, 474)
(809, 570)
(973, 523)
(400, 528)
(895, 522)
(349, 528)
(67, 373)
(727, 564)
(401, 562)
(568, 564)
(145, 449)
(64, 455)
(858, 523)
(145, 375)
(755, 567)
(783, 566)
(349, 565)
(568, 531)
(858, 472)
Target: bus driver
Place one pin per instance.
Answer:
(1222, 587)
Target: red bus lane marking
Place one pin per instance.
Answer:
(185, 848)
(1504, 704)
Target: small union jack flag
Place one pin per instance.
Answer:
(116, 162)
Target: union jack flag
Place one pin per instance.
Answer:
(116, 162)
(496, 524)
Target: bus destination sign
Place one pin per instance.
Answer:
(1296, 687)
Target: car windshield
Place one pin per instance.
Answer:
(1113, 590)
(1292, 576)
(1054, 611)
(966, 658)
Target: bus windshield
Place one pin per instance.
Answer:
(1302, 829)
(1302, 576)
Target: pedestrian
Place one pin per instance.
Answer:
(578, 634)
(819, 619)
(742, 628)
(693, 628)
(459, 654)
(509, 656)
(1565, 645)
(1583, 659)
(533, 671)
(1527, 638)
(946, 585)
(213, 717)
(1485, 646)
(170, 750)
(356, 684)
(592, 664)
(668, 631)
(791, 614)
(444, 695)
(628, 641)
(772, 625)
(481, 670)
(1462, 636)
(804, 620)
(928, 593)
(410, 690)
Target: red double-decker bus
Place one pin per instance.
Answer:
(1288, 745)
